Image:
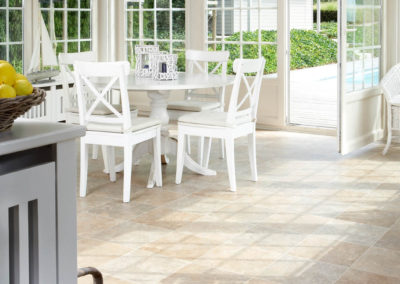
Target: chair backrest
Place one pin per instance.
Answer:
(66, 60)
(390, 83)
(199, 59)
(99, 78)
(243, 67)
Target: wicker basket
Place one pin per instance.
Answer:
(11, 109)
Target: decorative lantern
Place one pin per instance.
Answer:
(144, 64)
(165, 66)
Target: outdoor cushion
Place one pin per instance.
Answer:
(193, 105)
(212, 118)
(73, 117)
(101, 109)
(138, 123)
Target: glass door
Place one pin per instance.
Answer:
(360, 100)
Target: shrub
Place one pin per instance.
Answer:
(308, 49)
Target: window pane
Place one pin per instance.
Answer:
(59, 24)
(15, 26)
(178, 3)
(178, 25)
(179, 48)
(16, 57)
(250, 51)
(231, 26)
(2, 3)
(72, 47)
(60, 48)
(85, 4)
(163, 25)
(58, 3)
(162, 3)
(15, 3)
(72, 25)
(133, 24)
(86, 46)
(148, 4)
(131, 53)
(44, 3)
(214, 25)
(46, 19)
(3, 32)
(133, 5)
(148, 24)
(72, 3)
(85, 25)
(269, 52)
(164, 46)
(3, 52)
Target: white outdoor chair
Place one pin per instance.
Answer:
(240, 120)
(198, 61)
(117, 130)
(390, 85)
(70, 102)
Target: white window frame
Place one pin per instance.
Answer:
(155, 9)
(65, 11)
(240, 9)
(7, 43)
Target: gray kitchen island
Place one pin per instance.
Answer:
(38, 172)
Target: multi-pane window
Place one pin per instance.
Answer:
(72, 29)
(156, 22)
(11, 32)
(363, 44)
(246, 28)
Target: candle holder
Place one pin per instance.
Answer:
(165, 66)
(144, 55)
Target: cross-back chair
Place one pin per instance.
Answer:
(199, 61)
(238, 121)
(117, 130)
(390, 85)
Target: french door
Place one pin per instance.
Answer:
(360, 51)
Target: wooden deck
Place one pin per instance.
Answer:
(313, 96)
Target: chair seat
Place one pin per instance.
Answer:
(138, 123)
(193, 105)
(73, 117)
(101, 109)
(212, 119)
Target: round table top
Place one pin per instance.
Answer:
(185, 81)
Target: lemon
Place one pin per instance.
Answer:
(3, 61)
(7, 74)
(20, 77)
(23, 87)
(7, 92)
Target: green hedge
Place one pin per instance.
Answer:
(326, 16)
(308, 49)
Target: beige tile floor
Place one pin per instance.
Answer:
(313, 217)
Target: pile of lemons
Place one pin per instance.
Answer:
(12, 84)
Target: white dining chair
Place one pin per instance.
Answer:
(117, 130)
(70, 102)
(390, 85)
(195, 101)
(238, 121)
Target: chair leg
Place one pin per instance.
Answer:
(180, 157)
(200, 150)
(127, 173)
(207, 151)
(252, 155)
(157, 158)
(230, 161)
(111, 163)
(105, 158)
(95, 152)
(189, 149)
(84, 168)
(222, 148)
(389, 128)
